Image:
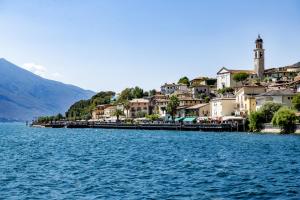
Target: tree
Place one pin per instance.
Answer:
(296, 102)
(146, 94)
(268, 110)
(172, 106)
(138, 92)
(118, 113)
(152, 117)
(126, 105)
(256, 120)
(240, 77)
(152, 92)
(225, 90)
(83, 108)
(285, 118)
(125, 95)
(184, 80)
(58, 117)
(207, 99)
(211, 81)
(140, 114)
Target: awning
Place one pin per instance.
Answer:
(190, 119)
(179, 119)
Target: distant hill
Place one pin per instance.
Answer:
(296, 64)
(24, 95)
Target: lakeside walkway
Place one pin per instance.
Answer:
(147, 126)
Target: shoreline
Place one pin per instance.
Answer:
(162, 126)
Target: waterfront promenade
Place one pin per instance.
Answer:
(147, 126)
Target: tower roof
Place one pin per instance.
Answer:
(258, 39)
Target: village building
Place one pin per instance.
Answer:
(161, 107)
(199, 110)
(203, 81)
(287, 73)
(110, 111)
(225, 77)
(197, 91)
(184, 103)
(222, 107)
(168, 89)
(283, 97)
(189, 101)
(98, 112)
(138, 108)
(198, 81)
(183, 94)
(245, 99)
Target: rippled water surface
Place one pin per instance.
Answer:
(132, 164)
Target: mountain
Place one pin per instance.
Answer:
(296, 64)
(24, 95)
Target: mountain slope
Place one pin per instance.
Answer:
(24, 95)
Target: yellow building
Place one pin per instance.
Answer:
(245, 99)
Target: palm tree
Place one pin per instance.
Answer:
(126, 105)
(118, 113)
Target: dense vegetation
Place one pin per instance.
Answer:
(285, 118)
(263, 115)
(184, 80)
(226, 90)
(240, 77)
(83, 108)
(296, 102)
(45, 119)
(172, 106)
(132, 93)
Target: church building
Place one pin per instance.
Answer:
(225, 75)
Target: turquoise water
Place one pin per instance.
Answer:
(133, 164)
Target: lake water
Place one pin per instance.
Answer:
(40, 163)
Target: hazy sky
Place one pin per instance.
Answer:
(113, 44)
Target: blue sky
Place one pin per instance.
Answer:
(113, 44)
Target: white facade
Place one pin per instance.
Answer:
(283, 97)
(221, 107)
(168, 89)
(223, 78)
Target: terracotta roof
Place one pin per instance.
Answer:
(285, 92)
(238, 71)
(234, 71)
(197, 106)
(188, 99)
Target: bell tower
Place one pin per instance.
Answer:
(259, 58)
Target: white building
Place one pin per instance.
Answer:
(225, 77)
(283, 97)
(221, 107)
(168, 89)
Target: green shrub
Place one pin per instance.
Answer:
(268, 110)
(256, 120)
(296, 102)
(285, 118)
